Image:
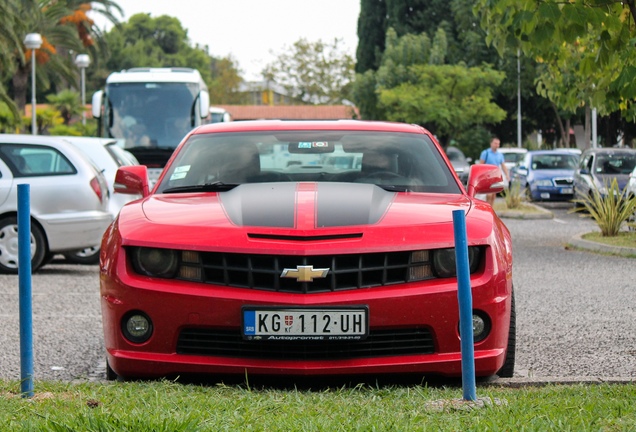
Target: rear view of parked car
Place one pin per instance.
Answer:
(599, 166)
(69, 198)
(546, 175)
(108, 156)
(461, 164)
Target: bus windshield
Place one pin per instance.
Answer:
(152, 114)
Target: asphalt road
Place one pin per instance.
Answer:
(576, 314)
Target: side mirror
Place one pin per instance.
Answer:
(484, 179)
(522, 170)
(584, 171)
(132, 180)
(204, 104)
(96, 107)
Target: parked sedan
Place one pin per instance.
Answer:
(461, 164)
(69, 198)
(546, 175)
(599, 166)
(251, 256)
(108, 156)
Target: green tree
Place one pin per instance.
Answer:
(447, 99)
(313, 72)
(144, 41)
(550, 31)
(371, 34)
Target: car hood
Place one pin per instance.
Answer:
(302, 212)
(553, 173)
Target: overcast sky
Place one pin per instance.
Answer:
(250, 30)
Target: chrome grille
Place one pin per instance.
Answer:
(346, 272)
(563, 181)
(229, 343)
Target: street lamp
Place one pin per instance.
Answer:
(33, 41)
(82, 61)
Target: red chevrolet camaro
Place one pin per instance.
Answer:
(304, 248)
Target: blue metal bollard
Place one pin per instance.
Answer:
(465, 298)
(24, 279)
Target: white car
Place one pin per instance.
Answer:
(108, 156)
(69, 198)
(512, 155)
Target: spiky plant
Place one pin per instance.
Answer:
(513, 195)
(611, 210)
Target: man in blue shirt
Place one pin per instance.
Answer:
(492, 157)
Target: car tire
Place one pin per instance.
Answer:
(85, 256)
(110, 373)
(527, 192)
(9, 246)
(508, 368)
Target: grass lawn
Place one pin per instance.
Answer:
(623, 239)
(168, 406)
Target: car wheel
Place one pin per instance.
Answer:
(9, 246)
(508, 368)
(110, 373)
(85, 256)
(527, 192)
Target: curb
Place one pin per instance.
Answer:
(541, 213)
(540, 382)
(578, 242)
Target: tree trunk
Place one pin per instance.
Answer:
(587, 128)
(559, 122)
(20, 85)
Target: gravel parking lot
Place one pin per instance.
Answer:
(575, 310)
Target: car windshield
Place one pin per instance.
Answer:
(513, 157)
(394, 161)
(554, 161)
(616, 163)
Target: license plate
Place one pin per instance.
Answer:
(567, 191)
(264, 323)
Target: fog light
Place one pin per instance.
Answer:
(481, 326)
(137, 327)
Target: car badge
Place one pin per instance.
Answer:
(304, 273)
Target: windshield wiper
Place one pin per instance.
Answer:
(394, 188)
(217, 186)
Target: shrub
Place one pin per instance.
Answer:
(513, 195)
(609, 211)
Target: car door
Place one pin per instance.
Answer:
(6, 180)
(583, 181)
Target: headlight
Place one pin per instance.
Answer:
(155, 262)
(544, 182)
(444, 261)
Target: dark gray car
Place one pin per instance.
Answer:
(460, 163)
(599, 166)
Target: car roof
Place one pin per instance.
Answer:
(609, 150)
(283, 125)
(512, 150)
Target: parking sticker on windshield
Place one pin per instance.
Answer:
(180, 172)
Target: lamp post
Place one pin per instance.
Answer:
(33, 41)
(82, 61)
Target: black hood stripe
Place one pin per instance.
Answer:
(275, 205)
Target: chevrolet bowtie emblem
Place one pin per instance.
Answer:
(303, 273)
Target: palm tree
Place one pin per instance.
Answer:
(10, 46)
(64, 27)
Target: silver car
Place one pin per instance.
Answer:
(108, 156)
(69, 198)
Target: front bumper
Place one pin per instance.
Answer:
(176, 307)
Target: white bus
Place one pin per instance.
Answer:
(150, 110)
